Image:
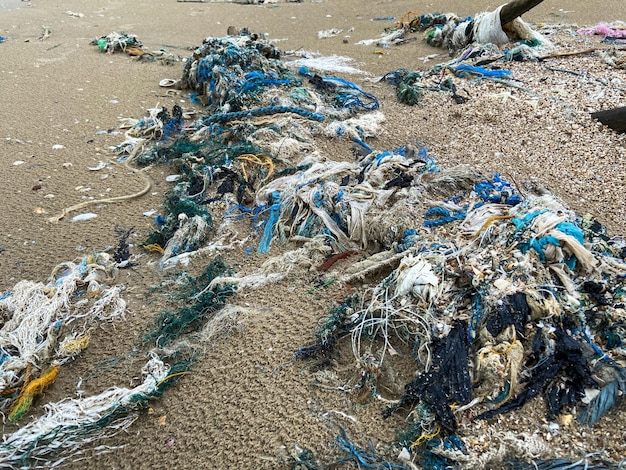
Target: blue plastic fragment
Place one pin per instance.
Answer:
(475, 72)
(436, 216)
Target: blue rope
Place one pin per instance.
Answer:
(266, 239)
(349, 93)
(363, 144)
(362, 457)
(475, 72)
(522, 222)
(497, 191)
(436, 216)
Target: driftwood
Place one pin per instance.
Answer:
(614, 118)
(516, 8)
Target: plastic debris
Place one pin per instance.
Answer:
(613, 30)
(329, 33)
(485, 289)
(116, 42)
(84, 217)
(330, 64)
(34, 336)
(98, 167)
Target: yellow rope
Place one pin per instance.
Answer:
(171, 376)
(75, 345)
(508, 350)
(30, 390)
(491, 219)
(260, 159)
(409, 13)
(424, 437)
(243, 170)
(154, 247)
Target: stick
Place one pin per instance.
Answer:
(569, 53)
(516, 8)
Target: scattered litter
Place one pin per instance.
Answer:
(83, 217)
(172, 178)
(36, 330)
(613, 30)
(169, 83)
(494, 296)
(455, 33)
(45, 33)
(58, 147)
(329, 33)
(18, 162)
(326, 64)
(74, 14)
(150, 213)
(123, 42)
(99, 166)
(107, 132)
(131, 45)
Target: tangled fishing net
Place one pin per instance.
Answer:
(489, 290)
(46, 325)
(495, 297)
(499, 298)
(454, 33)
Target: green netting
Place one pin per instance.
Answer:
(175, 206)
(198, 303)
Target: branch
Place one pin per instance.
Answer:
(516, 8)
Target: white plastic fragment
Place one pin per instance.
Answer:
(168, 82)
(590, 394)
(99, 166)
(329, 33)
(334, 63)
(502, 284)
(416, 276)
(83, 217)
(172, 178)
(404, 455)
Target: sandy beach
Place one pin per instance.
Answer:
(244, 403)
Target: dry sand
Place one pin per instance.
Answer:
(238, 409)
